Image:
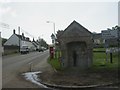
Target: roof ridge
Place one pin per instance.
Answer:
(75, 22)
(20, 36)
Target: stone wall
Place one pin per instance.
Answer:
(76, 45)
(10, 49)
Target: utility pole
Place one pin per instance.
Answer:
(53, 32)
(0, 62)
(0, 44)
(19, 37)
(118, 32)
(6, 26)
(54, 28)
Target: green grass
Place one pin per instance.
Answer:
(99, 49)
(99, 61)
(55, 63)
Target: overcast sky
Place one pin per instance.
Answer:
(32, 16)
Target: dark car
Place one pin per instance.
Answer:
(41, 50)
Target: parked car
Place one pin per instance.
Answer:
(24, 50)
(41, 50)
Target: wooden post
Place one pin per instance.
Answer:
(106, 55)
(111, 57)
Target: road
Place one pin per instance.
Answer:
(15, 65)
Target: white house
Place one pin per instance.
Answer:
(19, 40)
(36, 44)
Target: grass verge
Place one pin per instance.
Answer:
(55, 63)
(99, 61)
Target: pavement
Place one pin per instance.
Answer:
(14, 65)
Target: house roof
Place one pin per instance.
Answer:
(23, 37)
(19, 36)
(35, 43)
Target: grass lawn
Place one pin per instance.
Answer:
(99, 61)
(99, 49)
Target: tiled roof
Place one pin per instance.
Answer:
(22, 37)
(35, 43)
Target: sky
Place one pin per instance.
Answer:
(32, 17)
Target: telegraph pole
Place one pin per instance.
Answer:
(3, 25)
(0, 62)
(0, 45)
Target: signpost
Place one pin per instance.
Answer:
(107, 35)
(111, 56)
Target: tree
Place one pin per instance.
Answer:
(3, 41)
(43, 43)
(117, 27)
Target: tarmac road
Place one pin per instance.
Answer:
(14, 65)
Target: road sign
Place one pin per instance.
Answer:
(108, 34)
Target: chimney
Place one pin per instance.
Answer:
(13, 31)
(23, 34)
(33, 40)
(27, 39)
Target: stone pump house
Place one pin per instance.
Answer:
(76, 46)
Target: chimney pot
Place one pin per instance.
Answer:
(14, 31)
(23, 34)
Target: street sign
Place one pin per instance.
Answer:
(108, 34)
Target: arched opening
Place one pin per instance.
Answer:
(75, 53)
(74, 58)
